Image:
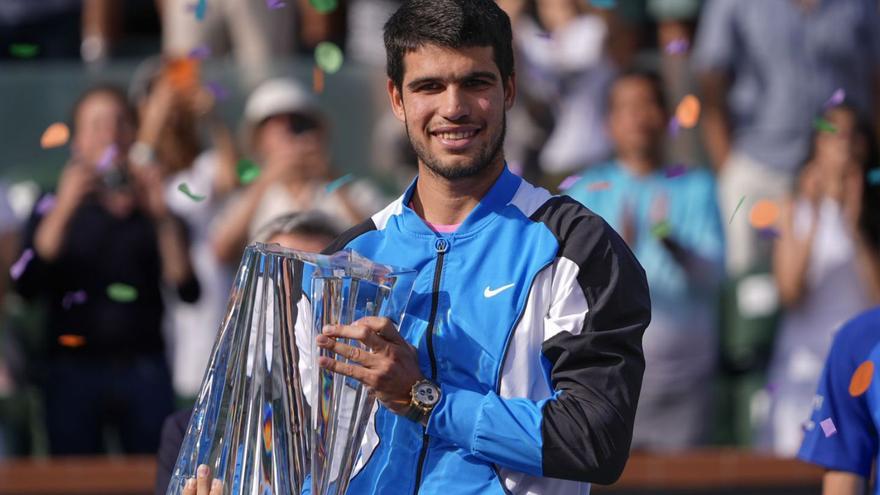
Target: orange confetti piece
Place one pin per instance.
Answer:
(68, 340)
(598, 186)
(764, 214)
(55, 135)
(688, 112)
(861, 379)
(183, 73)
(317, 80)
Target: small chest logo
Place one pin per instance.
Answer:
(489, 293)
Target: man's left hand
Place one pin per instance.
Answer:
(389, 366)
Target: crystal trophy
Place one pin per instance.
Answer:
(267, 420)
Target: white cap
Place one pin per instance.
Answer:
(275, 97)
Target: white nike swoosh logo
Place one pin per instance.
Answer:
(487, 293)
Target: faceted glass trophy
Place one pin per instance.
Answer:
(267, 420)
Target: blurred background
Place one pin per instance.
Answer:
(145, 142)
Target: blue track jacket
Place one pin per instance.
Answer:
(530, 318)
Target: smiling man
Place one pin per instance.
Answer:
(518, 362)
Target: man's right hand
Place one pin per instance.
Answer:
(202, 484)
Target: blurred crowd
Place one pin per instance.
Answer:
(732, 144)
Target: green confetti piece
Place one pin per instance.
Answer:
(661, 230)
(324, 6)
(736, 209)
(248, 171)
(191, 195)
(336, 184)
(328, 56)
(24, 50)
(122, 293)
(823, 125)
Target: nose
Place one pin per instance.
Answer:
(455, 105)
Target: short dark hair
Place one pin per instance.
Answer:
(109, 89)
(451, 24)
(650, 77)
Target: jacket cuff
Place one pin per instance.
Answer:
(455, 417)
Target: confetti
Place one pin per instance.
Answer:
(336, 184)
(736, 209)
(688, 111)
(874, 176)
(328, 56)
(818, 400)
(677, 47)
(836, 98)
(106, 160)
(604, 4)
(191, 195)
(71, 298)
(828, 427)
(764, 214)
(823, 125)
(676, 171)
(199, 9)
(24, 50)
(808, 425)
(55, 135)
(68, 340)
(861, 379)
(247, 171)
(568, 182)
(18, 268)
(45, 204)
(275, 4)
(317, 80)
(217, 90)
(673, 127)
(183, 73)
(324, 6)
(200, 52)
(661, 230)
(599, 186)
(545, 34)
(768, 233)
(122, 293)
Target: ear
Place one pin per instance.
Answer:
(510, 91)
(395, 95)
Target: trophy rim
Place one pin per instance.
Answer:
(326, 261)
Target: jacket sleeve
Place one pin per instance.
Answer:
(584, 429)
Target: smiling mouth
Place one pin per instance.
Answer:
(456, 138)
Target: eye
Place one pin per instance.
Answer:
(428, 87)
(477, 83)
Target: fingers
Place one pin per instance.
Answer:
(382, 327)
(359, 373)
(353, 353)
(216, 487)
(189, 488)
(366, 334)
(203, 480)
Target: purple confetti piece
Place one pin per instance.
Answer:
(545, 34)
(673, 127)
(71, 298)
(200, 52)
(676, 171)
(20, 266)
(107, 158)
(568, 182)
(677, 47)
(768, 233)
(836, 98)
(828, 427)
(220, 93)
(45, 204)
(275, 4)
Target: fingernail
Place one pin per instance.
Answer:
(216, 484)
(190, 484)
(328, 329)
(321, 340)
(203, 471)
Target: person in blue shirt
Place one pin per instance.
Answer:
(841, 435)
(670, 219)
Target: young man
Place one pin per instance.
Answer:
(525, 325)
(842, 435)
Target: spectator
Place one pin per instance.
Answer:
(827, 269)
(841, 435)
(673, 227)
(98, 258)
(287, 134)
(305, 231)
(766, 68)
(172, 118)
(8, 247)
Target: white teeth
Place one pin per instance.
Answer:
(456, 135)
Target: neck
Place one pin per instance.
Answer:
(449, 201)
(638, 163)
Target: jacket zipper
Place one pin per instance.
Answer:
(441, 246)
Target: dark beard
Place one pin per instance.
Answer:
(485, 158)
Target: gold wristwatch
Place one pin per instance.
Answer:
(424, 395)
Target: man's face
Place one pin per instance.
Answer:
(101, 120)
(453, 103)
(636, 120)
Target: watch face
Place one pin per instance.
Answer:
(427, 394)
